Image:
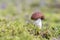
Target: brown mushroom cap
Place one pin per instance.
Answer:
(37, 15)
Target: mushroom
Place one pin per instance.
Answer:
(37, 17)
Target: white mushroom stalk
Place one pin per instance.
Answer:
(38, 23)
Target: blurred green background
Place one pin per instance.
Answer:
(15, 22)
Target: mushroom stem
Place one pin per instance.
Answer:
(38, 23)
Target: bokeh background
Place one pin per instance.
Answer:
(15, 22)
